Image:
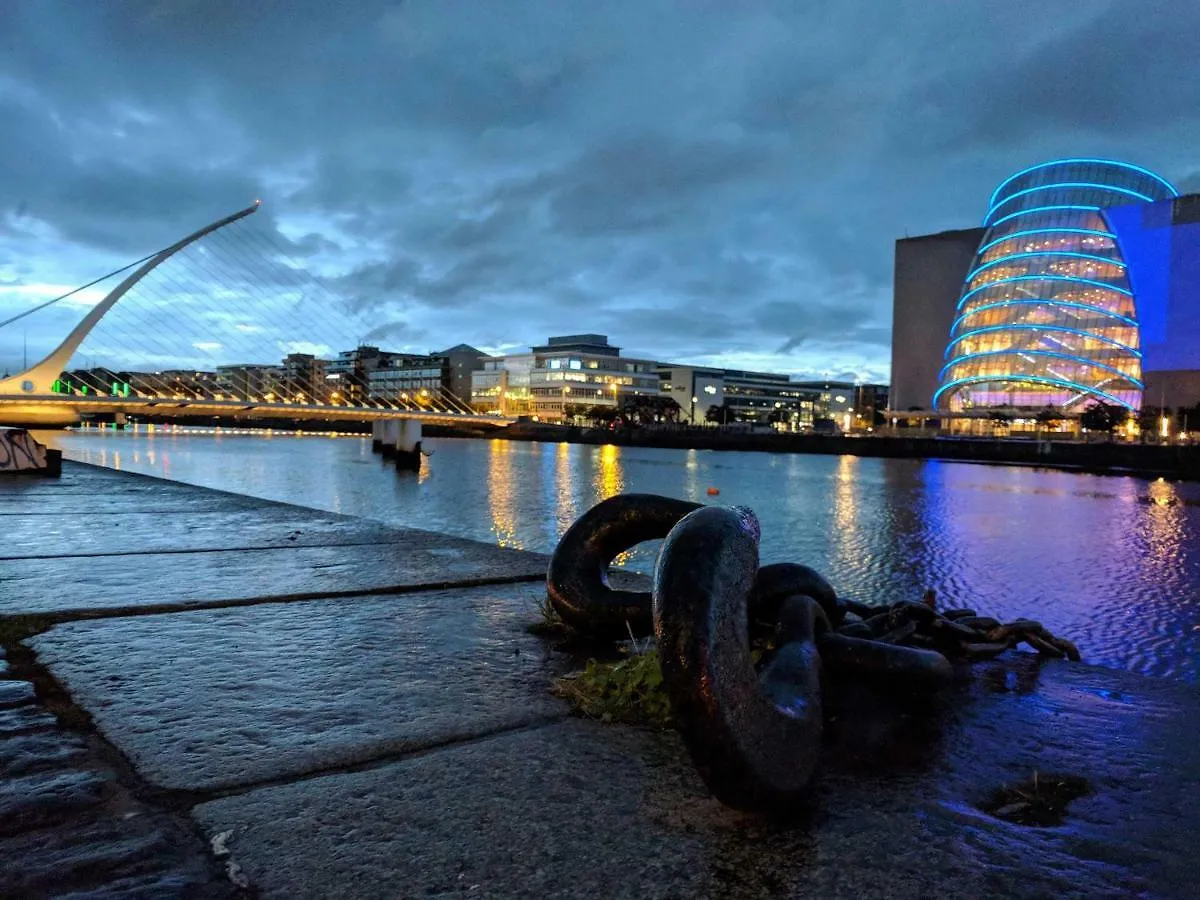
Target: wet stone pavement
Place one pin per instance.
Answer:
(70, 819)
(181, 715)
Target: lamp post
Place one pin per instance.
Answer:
(565, 391)
(692, 417)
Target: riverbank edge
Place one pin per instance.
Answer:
(1181, 462)
(670, 812)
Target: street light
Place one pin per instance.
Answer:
(692, 418)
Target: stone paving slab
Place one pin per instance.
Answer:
(577, 809)
(281, 550)
(74, 474)
(35, 524)
(424, 559)
(234, 528)
(202, 700)
(101, 506)
(92, 490)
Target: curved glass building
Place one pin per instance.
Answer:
(1047, 316)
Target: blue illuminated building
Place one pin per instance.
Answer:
(1083, 285)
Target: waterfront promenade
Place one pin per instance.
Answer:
(204, 694)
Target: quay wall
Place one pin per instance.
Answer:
(1152, 460)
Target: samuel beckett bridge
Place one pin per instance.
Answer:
(223, 324)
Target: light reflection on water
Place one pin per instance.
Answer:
(1111, 562)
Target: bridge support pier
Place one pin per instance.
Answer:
(408, 445)
(377, 428)
(119, 421)
(389, 434)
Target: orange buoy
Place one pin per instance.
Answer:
(712, 492)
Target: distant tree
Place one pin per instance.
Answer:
(1000, 419)
(671, 410)
(720, 415)
(1048, 418)
(602, 415)
(1187, 417)
(648, 410)
(1104, 417)
(574, 411)
(1149, 420)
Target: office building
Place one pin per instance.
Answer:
(695, 389)
(368, 373)
(766, 398)
(461, 361)
(564, 377)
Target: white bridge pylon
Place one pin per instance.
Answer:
(31, 398)
(40, 378)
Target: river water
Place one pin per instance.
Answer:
(1111, 562)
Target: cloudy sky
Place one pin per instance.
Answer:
(716, 182)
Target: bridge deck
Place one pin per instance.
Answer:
(26, 410)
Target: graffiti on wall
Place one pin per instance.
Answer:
(19, 452)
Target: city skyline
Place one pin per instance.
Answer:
(721, 189)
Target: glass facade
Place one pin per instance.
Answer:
(1047, 316)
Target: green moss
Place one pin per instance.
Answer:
(1041, 801)
(549, 623)
(629, 691)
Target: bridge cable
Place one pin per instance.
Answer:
(82, 287)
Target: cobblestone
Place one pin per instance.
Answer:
(70, 827)
(15, 693)
(28, 753)
(24, 718)
(45, 798)
(56, 856)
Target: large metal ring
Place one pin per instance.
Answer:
(904, 666)
(755, 739)
(778, 581)
(577, 581)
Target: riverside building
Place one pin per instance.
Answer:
(1082, 285)
(568, 374)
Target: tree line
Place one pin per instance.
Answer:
(1106, 418)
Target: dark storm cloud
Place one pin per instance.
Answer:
(702, 181)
